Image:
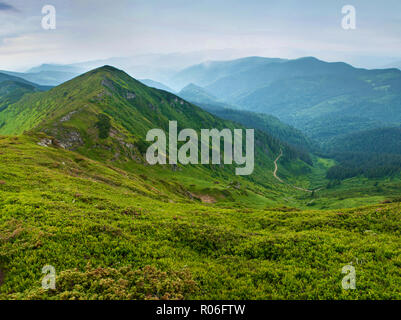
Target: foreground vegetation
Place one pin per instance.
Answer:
(113, 233)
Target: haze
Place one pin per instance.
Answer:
(199, 30)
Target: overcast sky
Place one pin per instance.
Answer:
(95, 29)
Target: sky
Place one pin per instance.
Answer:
(219, 29)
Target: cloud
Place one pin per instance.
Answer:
(6, 7)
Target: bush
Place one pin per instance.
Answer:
(103, 125)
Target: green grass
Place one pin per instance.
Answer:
(359, 191)
(115, 233)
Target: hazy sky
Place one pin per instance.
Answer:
(95, 29)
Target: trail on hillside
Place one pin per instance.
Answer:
(276, 166)
(281, 181)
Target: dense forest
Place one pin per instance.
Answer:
(370, 165)
(373, 153)
(380, 140)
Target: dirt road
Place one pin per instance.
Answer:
(279, 179)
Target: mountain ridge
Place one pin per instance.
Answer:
(105, 115)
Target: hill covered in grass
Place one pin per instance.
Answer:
(105, 115)
(128, 234)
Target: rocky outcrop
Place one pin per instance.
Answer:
(108, 84)
(130, 95)
(68, 116)
(45, 142)
(70, 140)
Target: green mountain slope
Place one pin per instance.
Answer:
(8, 77)
(266, 123)
(13, 88)
(326, 106)
(105, 115)
(381, 140)
(11, 92)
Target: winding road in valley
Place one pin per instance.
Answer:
(276, 166)
(280, 180)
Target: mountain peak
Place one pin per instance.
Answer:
(106, 76)
(191, 86)
(106, 69)
(193, 89)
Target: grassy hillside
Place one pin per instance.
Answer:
(266, 123)
(118, 234)
(72, 112)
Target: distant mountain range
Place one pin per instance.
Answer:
(158, 67)
(45, 77)
(321, 99)
(199, 95)
(207, 73)
(156, 85)
(9, 77)
(396, 64)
